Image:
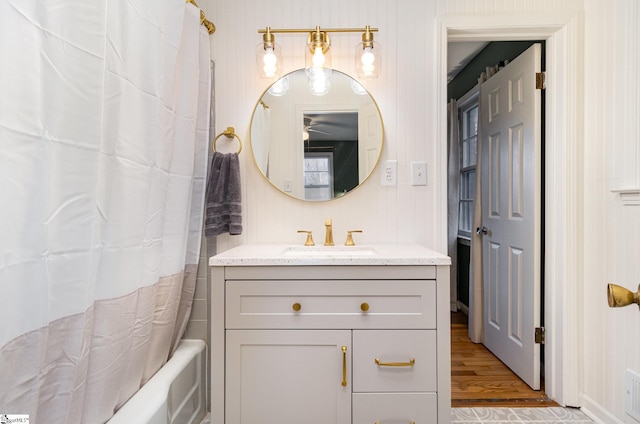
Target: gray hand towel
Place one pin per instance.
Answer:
(223, 213)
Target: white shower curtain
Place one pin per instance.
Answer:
(104, 116)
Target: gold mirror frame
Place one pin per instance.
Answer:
(277, 136)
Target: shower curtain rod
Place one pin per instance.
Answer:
(211, 28)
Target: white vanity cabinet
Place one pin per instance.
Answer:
(330, 344)
(290, 376)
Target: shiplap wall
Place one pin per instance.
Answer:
(611, 228)
(404, 93)
(609, 157)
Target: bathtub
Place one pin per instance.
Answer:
(175, 394)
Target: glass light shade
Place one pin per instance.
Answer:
(358, 89)
(280, 87)
(319, 86)
(269, 60)
(317, 58)
(368, 60)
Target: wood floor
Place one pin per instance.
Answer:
(478, 378)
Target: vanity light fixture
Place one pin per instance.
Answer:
(269, 56)
(317, 57)
(368, 56)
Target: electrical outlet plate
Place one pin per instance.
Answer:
(418, 173)
(632, 394)
(389, 173)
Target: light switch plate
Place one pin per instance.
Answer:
(389, 173)
(418, 173)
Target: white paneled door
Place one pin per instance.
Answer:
(511, 194)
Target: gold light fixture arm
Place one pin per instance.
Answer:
(316, 29)
(267, 38)
(318, 38)
(367, 37)
(618, 296)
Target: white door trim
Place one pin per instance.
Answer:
(563, 183)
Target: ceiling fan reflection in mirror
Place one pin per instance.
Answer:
(331, 126)
(309, 128)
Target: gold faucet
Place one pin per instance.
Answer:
(328, 238)
(349, 241)
(309, 241)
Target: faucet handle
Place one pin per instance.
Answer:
(349, 241)
(309, 241)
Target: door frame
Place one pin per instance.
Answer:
(563, 188)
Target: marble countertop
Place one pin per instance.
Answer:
(370, 254)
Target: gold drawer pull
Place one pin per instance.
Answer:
(296, 307)
(411, 362)
(364, 306)
(344, 366)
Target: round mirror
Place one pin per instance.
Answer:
(316, 141)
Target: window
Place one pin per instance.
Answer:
(318, 176)
(468, 116)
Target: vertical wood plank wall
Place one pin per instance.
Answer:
(609, 158)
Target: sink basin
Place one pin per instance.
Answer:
(329, 251)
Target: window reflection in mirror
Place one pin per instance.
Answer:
(291, 128)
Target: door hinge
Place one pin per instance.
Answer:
(540, 81)
(539, 335)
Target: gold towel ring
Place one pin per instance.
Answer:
(230, 132)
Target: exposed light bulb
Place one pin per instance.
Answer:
(270, 62)
(368, 57)
(368, 61)
(318, 57)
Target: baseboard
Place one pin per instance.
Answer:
(597, 412)
(463, 308)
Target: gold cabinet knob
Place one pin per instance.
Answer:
(296, 307)
(364, 307)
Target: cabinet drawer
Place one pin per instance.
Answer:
(400, 408)
(394, 361)
(331, 304)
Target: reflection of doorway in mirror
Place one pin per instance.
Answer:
(369, 136)
(336, 132)
(318, 176)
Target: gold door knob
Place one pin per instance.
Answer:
(364, 307)
(296, 307)
(619, 296)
